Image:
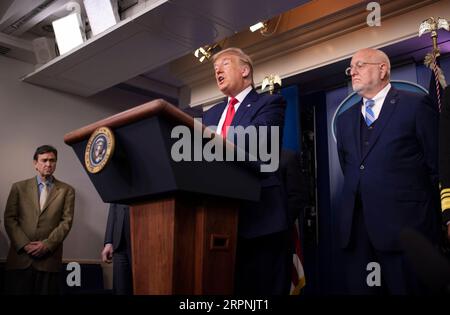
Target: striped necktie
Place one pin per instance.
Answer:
(370, 116)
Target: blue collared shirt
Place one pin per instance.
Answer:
(378, 99)
(49, 183)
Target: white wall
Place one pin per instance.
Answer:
(31, 116)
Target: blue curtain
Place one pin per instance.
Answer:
(291, 132)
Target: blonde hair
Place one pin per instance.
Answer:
(243, 58)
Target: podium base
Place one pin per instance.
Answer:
(184, 245)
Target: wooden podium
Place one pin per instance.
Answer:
(183, 214)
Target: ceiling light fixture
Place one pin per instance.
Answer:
(206, 52)
(258, 26)
(266, 28)
(69, 30)
(202, 54)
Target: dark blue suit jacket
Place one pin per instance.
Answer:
(270, 214)
(397, 178)
(116, 233)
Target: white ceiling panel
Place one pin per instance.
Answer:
(131, 64)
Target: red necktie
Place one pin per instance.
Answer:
(229, 116)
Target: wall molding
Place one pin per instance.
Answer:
(321, 36)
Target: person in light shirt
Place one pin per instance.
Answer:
(38, 217)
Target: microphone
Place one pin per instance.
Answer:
(432, 268)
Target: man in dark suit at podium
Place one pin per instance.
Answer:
(262, 256)
(118, 248)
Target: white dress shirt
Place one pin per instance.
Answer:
(240, 97)
(378, 99)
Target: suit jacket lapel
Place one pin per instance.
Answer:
(389, 105)
(357, 125)
(212, 116)
(32, 190)
(244, 107)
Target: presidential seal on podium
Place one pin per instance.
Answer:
(99, 149)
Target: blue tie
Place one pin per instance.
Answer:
(370, 116)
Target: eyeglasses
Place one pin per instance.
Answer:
(359, 66)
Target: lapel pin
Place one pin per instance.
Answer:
(248, 105)
(393, 101)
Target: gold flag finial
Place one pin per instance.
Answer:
(433, 25)
(271, 80)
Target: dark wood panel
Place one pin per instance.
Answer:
(152, 239)
(184, 245)
(220, 231)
